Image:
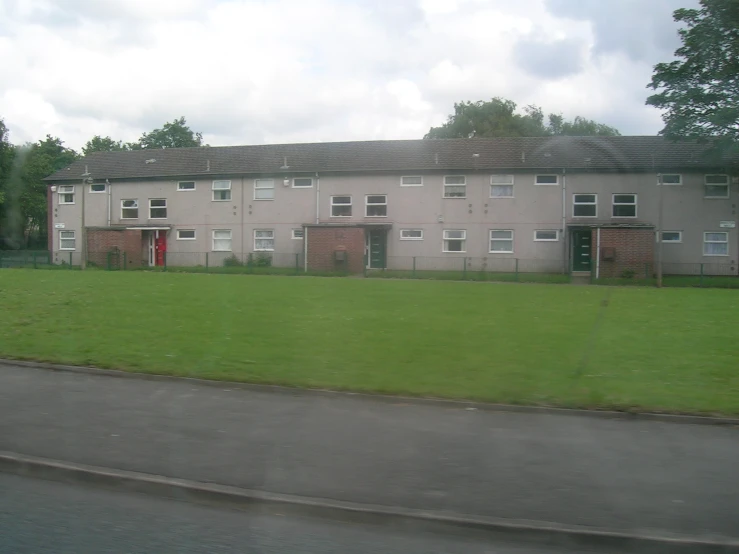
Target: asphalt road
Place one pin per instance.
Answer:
(43, 517)
(627, 475)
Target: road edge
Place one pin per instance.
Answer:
(384, 398)
(234, 497)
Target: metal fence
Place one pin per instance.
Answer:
(464, 268)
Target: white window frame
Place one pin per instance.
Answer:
(463, 184)
(556, 180)
(158, 208)
(402, 184)
(262, 187)
(411, 230)
(301, 231)
(593, 203)
(660, 237)
(497, 181)
(61, 240)
(180, 189)
(350, 204)
(679, 179)
(264, 238)
(230, 240)
(445, 239)
(302, 186)
(136, 200)
(635, 203)
(64, 190)
(726, 242)
(215, 189)
(105, 188)
(706, 184)
(367, 205)
(490, 242)
(180, 237)
(555, 231)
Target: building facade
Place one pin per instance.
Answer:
(541, 204)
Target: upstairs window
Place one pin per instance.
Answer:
(717, 186)
(672, 179)
(186, 185)
(546, 235)
(411, 181)
(584, 205)
(455, 240)
(547, 180)
(302, 182)
(66, 194)
(264, 189)
(157, 208)
(129, 209)
(298, 234)
(501, 186)
(221, 191)
(455, 186)
(411, 234)
(376, 205)
(97, 187)
(185, 234)
(672, 236)
(341, 206)
(624, 205)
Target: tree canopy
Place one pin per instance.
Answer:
(700, 90)
(173, 134)
(499, 118)
(103, 144)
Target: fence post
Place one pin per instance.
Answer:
(206, 262)
(297, 263)
(107, 260)
(34, 261)
(592, 273)
(701, 279)
(164, 256)
(516, 269)
(464, 269)
(414, 268)
(70, 260)
(125, 260)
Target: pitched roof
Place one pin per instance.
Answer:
(576, 153)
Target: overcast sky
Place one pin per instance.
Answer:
(263, 71)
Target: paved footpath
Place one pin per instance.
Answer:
(626, 475)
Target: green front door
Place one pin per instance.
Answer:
(581, 251)
(377, 249)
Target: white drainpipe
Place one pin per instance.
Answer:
(597, 254)
(565, 238)
(305, 248)
(318, 198)
(110, 201)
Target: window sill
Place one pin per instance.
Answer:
(67, 249)
(546, 240)
(454, 251)
(501, 252)
(264, 200)
(263, 250)
(715, 255)
(66, 203)
(340, 216)
(716, 197)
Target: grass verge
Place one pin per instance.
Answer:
(671, 350)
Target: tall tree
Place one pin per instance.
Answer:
(700, 90)
(499, 118)
(7, 152)
(103, 144)
(173, 134)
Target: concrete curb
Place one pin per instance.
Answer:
(233, 497)
(385, 398)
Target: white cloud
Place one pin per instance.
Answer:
(250, 71)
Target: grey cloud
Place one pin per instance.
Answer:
(550, 60)
(643, 30)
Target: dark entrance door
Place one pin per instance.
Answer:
(377, 247)
(581, 249)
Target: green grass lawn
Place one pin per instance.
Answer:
(597, 347)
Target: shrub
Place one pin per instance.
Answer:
(232, 261)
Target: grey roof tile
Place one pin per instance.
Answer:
(635, 153)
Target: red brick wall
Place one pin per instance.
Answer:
(102, 241)
(324, 241)
(633, 250)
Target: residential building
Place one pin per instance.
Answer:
(553, 204)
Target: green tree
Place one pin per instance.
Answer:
(700, 90)
(173, 134)
(25, 210)
(499, 118)
(7, 153)
(103, 144)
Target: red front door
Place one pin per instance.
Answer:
(160, 247)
